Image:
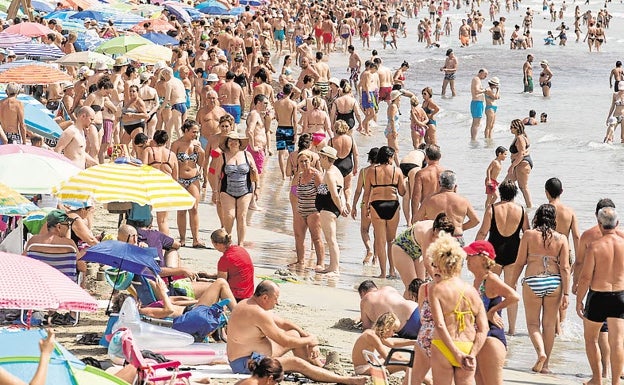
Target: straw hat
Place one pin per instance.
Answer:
(67, 85)
(85, 71)
(494, 81)
(329, 152)
(244, 141)
(145, 76)
(544, 62)
(334, 81)
(395, 94)
(121, 61)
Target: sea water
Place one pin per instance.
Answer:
(569, 146)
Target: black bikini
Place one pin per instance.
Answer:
(385, 209)
(514, 150)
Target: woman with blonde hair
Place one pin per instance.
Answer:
(496, 296)
(521, 162)
(418, 122)
(459, 316)
(546, 283)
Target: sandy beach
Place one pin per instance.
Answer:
(312, 304)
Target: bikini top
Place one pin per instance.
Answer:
(514, 149)
(619, 102)
(184, 157)
(395, 185)
(160, 163)
(460, 315)
(97, 108)
(288, 71)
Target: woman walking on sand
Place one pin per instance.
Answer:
(546, 283)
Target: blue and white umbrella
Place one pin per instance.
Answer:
(41, 6)
(87, 42)
(161, 38)
(60, 15)
(39, 50)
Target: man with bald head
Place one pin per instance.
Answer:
(175, 100)
(73, 142)
(254, 332)
(208, 118)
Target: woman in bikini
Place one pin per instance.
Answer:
(133, 115)
(545, 78)
(407, 248)
(365, 222)
(546, 283)
(398, 79)
(303, 189)
(600, 36)
(346, 108)
(384, 184)
(105, 111)
(418, 122)
(460, 318)
(509, 218)
(150, 97)
(521, 162)
(190, 156)
(317, 123)
(431, 109)
(347, 152)
(331, 204)
(496, 296)
(159, 156)
(237, 175)
(492, 94)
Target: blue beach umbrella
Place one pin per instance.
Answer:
(178, 11)
(41, 6)
(252, 3)
(19, 355)
(193, 13)
(124, 256)
(74, 25)
(39, 50)
(60, 15)
(88, 42)
(161, 38)
(99, 16)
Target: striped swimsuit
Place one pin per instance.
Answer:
(306, 194)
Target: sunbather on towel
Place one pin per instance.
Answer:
(378, 340)
(254, 332)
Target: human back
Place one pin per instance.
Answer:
(608, 252)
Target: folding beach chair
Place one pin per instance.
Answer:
(154, 373)
(63, 259)
(379, 374)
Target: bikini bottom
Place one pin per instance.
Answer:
(543, 285)
(464, 346)
(385, 209)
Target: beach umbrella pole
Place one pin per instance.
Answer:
(110, 299)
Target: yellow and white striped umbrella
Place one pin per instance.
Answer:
(124, 182)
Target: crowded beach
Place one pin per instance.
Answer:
(151, 154)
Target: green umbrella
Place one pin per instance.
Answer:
(122, 44)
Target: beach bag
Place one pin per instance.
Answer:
(200, 321)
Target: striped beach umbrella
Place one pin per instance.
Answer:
(8, 40)
(34, 74)
(87, 58)
(38, 50)
(24, 62)
(13, 203)
(150, 54)
(125, 182)
(61, 15)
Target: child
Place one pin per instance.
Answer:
(543, 117)
(611, 123)
(378, 339)
(491, 184)
(550, 39)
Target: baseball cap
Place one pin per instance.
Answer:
(481, 247)
(55, 217)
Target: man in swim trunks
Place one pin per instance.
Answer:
(355, 65)
(231, 97)
(258, 135)
(477, 105)
(527, 71)
(286, 116)
(602, 279)
(279, 33)
(322, 69)
(456, 207)
(449, 69)
(385, 81)
(376, 301)
(369, 86)
(254, 331)
(208, 118)
(175, 99)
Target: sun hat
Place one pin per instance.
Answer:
(55, 217)
(67, 85)
(329, 152)
(395, 94)
(212, 78)
(121, 61)
(159, 65)
(85, 71)
(481, 248)
(145, 76)
(544, 62)
(334, 81)
(100, 66)
(494, 81)
(244, 141)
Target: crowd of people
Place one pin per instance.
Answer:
(213, 114)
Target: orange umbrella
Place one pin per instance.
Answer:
(156, 25)
(34, 74)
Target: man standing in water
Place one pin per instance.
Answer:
(527, 71)
(603, 282)
(477, 105)
(449, 69)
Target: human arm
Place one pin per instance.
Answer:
(585, 279)
(473, 219)
(578, 261)
(359, 188)
(64, 140)
(496, 286)
(416, 196)
(162, 293)
(46, 346)
(275, 329)
(356, 155)
(564, 271)
(21, 125)
(485, 224)
(521, 260)
(3, 136)
(576, 237)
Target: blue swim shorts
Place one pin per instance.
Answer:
(180, 107)
(239, 365)
(234, 110)
(477, 108)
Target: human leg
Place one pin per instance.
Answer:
(328, 224)
(181, 221)
(616, 342)
(431, 134)
(522, 171)
(242, 205)
(490, 118)
(444, 85)
(532, 311)
(404, 265)
(315, 373)
(591, 334)
(379, 241)
(441, 368)
(300, 227)
(228, 210)
(490, 361)
(365, 225)
(314, 224)
(512, 310)
(214, 292)
(604, 349)
(421, 366)
(194, 189)
(391, 229)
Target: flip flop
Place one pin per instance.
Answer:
(200, 246)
